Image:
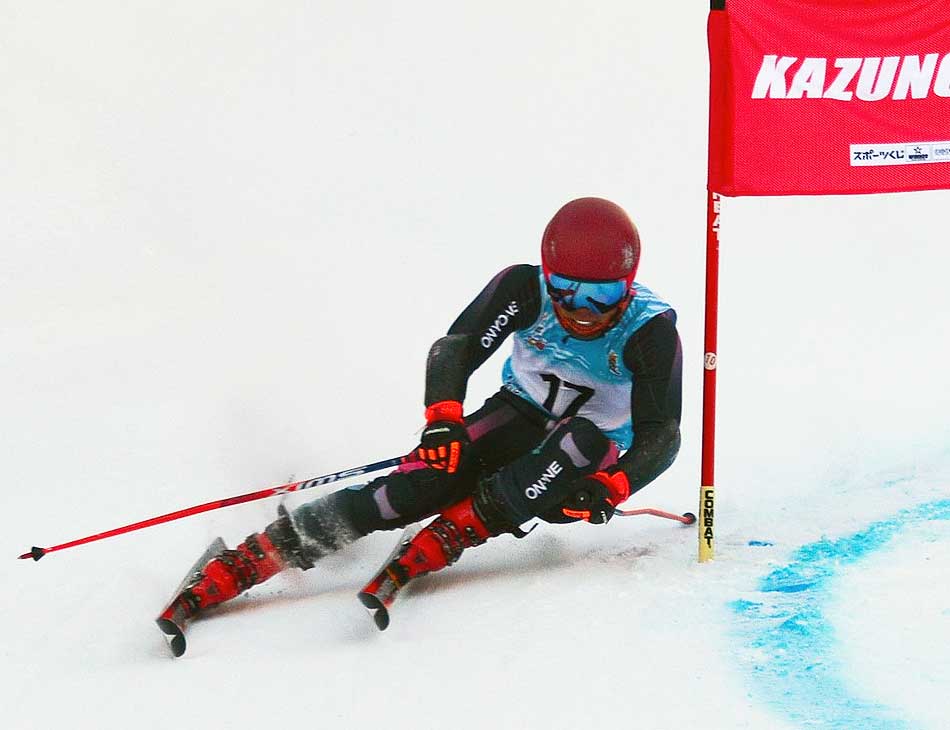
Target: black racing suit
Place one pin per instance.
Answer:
(512, 439)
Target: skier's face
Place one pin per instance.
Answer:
(587, 309)
(585, 324)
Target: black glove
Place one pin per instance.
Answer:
(596, 496)
(444, 439)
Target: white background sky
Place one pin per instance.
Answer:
(229, 233)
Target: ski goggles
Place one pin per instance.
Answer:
(597, 296)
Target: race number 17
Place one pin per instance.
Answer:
(584, 394)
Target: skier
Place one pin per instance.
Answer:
(595, 370)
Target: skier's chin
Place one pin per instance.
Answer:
(584, 324)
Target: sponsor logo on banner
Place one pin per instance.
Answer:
(871, 155)
(874, 78)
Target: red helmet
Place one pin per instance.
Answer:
(591, 238)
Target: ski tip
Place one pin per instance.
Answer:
(380, 613)
(689, 518)
(173, 635)
(36, 553)
(369, 600)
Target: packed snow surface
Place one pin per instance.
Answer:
(230, 234)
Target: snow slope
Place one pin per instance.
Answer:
(231, 232)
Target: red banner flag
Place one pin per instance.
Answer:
(821, 97)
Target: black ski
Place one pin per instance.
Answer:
(379, 594)
(173, 622)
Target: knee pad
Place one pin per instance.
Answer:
(537, 482)
(583, 443)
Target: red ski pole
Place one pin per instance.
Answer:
(687, 518)
(38, 552)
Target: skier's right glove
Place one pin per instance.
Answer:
(596, 497)
(444, 438)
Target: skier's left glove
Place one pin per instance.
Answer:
(596, 496)
(444, 439)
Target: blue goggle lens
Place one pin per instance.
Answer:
(599, 296)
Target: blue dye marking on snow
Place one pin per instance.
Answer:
(760, 543)
(789, 646)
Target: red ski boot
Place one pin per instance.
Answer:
(231, 573)
(221, 574)
(465, 524)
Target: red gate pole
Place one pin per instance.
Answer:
(707, 490)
